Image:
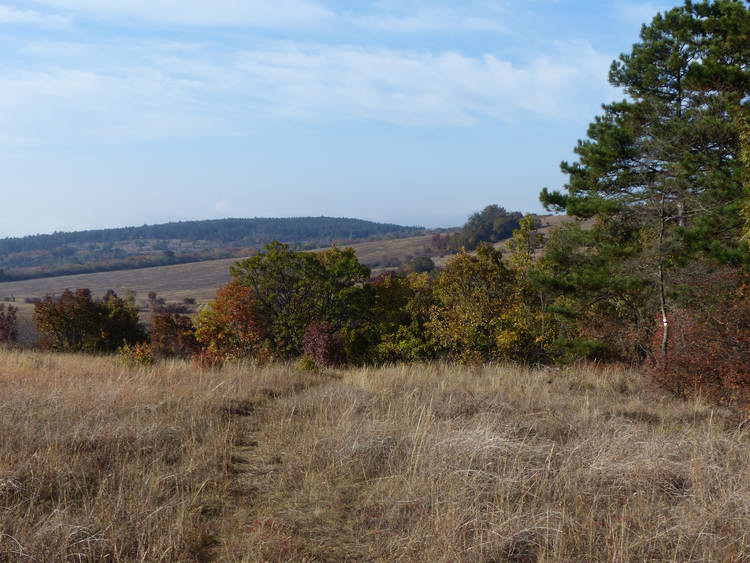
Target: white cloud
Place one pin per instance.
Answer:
(418, 88)
(383, 15)
(164, 90)
(407, 16)
(14, 16)
(258, 13)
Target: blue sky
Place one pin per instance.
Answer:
(124, 112)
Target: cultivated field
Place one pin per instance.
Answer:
(199, 279)
(100, 462)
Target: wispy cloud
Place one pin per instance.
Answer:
(15, 16)
(252, 13)
(156, 90)
(383, 15)
(410, 16)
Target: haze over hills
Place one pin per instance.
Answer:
(64, 253)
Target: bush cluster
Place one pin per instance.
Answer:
(77, 322)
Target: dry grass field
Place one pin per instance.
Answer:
(101, 462)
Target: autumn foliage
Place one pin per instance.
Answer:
(324, 345)
(172, 335)
(230, 326)
(708, 350)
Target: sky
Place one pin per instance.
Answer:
(418, 112)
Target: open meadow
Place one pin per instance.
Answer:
(429, 462)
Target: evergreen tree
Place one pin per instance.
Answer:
(723, 36)
(659, 172)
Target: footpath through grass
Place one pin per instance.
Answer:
(415, 463)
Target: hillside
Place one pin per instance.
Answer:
(180, 242)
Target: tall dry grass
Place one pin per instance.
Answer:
(440, 463)
(99, 462)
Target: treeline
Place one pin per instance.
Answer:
(323, 307)
(256, 231)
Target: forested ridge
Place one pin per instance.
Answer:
(252, 231)
(63, 253)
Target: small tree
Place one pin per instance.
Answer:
(400, 313)
(173, 335)
(230, 327)
(478, 315)
(289, 290)
(8, 324)
(492, 224)
(421, 264)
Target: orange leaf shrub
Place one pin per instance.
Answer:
(229, 327)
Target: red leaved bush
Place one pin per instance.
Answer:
(708, 350)
(173, 335)
(324, 345)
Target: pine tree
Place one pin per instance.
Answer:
(659, 172)
(723, 37)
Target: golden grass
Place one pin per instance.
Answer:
(99, 462)
(103, 463)
(439, 463)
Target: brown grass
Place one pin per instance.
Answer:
(99, 462)
(103, 463)
(438, 463)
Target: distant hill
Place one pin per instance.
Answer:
(64, 253)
